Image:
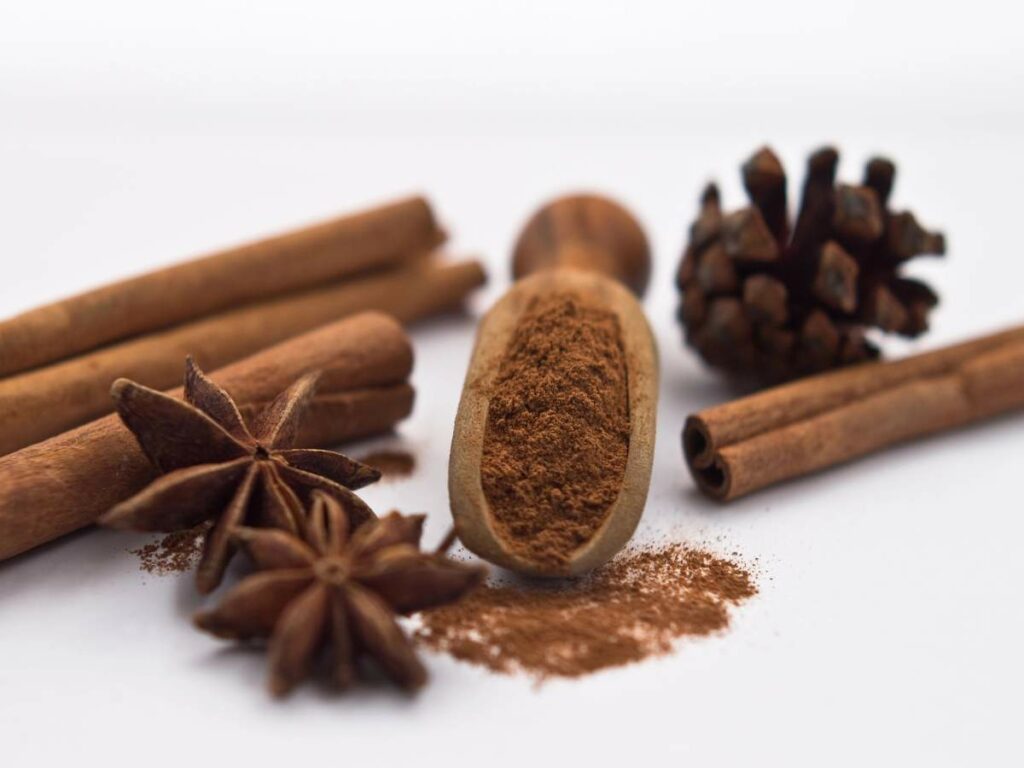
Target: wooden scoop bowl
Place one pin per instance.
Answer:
(591, 247)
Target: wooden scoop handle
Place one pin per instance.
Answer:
(585, 232)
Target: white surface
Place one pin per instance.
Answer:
(888, 623)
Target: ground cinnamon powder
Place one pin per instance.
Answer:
(175, 552)
(557, 432)
(634, 607)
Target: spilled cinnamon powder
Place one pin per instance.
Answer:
(175, 552)
(557, 433)
(635, 607)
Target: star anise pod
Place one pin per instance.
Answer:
(217, 468)
(776, 298)
(338, 588)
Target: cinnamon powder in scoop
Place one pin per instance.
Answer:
(557, 433)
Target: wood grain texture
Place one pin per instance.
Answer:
(588, 232)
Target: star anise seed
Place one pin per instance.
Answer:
(337, 588)
(217, 468)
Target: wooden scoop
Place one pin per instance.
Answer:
(593, 248)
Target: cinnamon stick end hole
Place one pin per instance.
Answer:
(697, 444)
(712, 479)
(707, 469)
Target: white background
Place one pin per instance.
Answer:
(888, 627)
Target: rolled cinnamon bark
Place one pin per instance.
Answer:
(57, 486)
(293, 261)
(334, 418)
(47, 401)
(739, 447)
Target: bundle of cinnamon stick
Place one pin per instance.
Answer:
(60, 359)
(59, 485)
(739, 447)
(68, 460)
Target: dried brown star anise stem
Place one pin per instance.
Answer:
(337, 588)
(217, 468)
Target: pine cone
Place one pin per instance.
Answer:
(763, 297)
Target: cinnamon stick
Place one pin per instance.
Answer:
(756, 441)
(336, 417)
(52, 488)
(47, 401)
(296, 260)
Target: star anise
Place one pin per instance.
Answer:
(217, 468)
(338, 588)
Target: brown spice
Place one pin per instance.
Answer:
(339, 587)
(633, 608)
(46, 401)
(298, 260)
(217, 467)
(176, 552)
(391, 464)
(557, 433)
(742, 446)
(59, 485)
